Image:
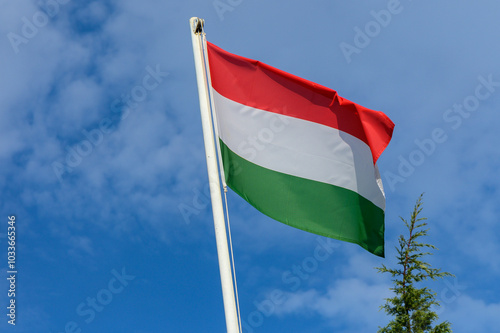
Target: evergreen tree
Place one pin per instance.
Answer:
(411, 306)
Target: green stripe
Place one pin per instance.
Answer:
(316, 207)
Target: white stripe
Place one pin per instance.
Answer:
(299, 147)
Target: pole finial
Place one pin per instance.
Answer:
(197, 25)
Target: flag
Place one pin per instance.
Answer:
(298, 152)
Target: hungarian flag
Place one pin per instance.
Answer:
(298, 152)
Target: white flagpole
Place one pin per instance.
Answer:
(226, 276)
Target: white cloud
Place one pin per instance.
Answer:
(350, 302)
(473, 315)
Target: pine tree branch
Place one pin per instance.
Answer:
(411, 306)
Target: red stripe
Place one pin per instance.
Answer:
(255, 84)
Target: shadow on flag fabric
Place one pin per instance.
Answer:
(298, 152)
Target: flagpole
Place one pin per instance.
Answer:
(226, 275)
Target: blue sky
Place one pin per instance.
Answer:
(101, 151)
